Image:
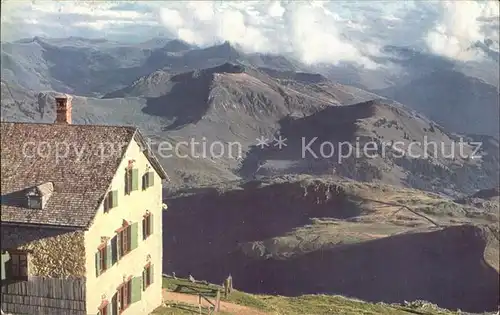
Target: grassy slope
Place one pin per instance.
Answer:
(303, 305)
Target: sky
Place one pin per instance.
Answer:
(313, 31)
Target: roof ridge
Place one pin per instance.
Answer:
(69, 125)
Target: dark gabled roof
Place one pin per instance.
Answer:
(80, 178)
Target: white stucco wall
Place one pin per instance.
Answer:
(131, 208)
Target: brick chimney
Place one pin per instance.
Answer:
(63, 109)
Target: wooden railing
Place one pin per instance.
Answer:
(213, 305)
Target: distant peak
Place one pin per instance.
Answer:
(176, 45)
(487, 193)
(227, 67)
(299, 76)
(230, 67)
(377, 102)
(37, 39)
(226, 46)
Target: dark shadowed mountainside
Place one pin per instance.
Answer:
(293, 236)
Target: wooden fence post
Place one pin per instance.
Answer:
(226, 288)
(217, 301)
(230, 280)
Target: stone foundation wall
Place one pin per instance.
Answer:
(53, 253)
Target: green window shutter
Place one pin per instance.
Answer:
(135, 295)
(97, 265)
(114, 304)
(134, 237)
(114, 198)
(109, 256)
(135, 179)
(118, 247)
(114, 250)
(151, 179)
(151, 224)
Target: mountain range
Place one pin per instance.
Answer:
(174, 91)
(283, 192)
(93, 68)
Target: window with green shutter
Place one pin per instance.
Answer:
(114, 250)
(135, 179)
(134, 235)
(148, 180)
(136, 291)
(101, 259)
(124, 296)
(98, 263)
(151, 178)
(114, 304)
(119, 250)
(111, 200)
(128, 181)
(144, 229)
(144, 182)
(147, 225)
(109, 256)
(124, 241)
(105, 204)
(147, 276)
(114, 198)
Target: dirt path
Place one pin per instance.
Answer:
(224, 306)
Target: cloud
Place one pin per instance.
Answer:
(313, 31)
(309, 31)
(462, 24)
(316, 37)
(22, 19)
(205, 23)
